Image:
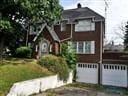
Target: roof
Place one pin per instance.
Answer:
(52, 33)
(84, 12)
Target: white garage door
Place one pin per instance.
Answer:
(115, 75)
(87, 73)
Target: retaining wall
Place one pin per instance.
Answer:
(34, 86)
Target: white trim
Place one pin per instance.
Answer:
(87, 17)
(84, 47)
(85, 25)
(92, 47)
(62, 27)
(77, 47)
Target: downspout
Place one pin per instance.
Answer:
(101, 51)
(71, 30)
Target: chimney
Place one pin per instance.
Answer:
(79, 5)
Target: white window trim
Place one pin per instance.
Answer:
(63, 23)
(91, 27)
(84, 51)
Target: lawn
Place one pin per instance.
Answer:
(15, 70)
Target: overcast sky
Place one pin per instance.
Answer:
(117, 13)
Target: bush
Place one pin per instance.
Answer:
(69, 54)
(23, 52)
(55, 64)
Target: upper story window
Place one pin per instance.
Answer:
(63, 25)
(84, 25)
(84, 47)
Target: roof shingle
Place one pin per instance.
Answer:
(85, 12)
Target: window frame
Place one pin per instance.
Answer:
(91, 22)
(63, 25)
(92, 47)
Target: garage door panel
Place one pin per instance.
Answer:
(87, 73)
(115, 75)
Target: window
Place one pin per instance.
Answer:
(84, 47)
(85, 25)
(63, 25)
(80, 47)
(87, 47)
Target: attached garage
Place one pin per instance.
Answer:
(87, 73)
(114, 74)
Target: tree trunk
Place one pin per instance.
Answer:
(1, 46)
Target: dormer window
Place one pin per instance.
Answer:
(63, 25)
(84, 25)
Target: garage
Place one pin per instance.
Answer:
(114, 74)
(87, 73)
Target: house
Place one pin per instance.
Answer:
(84, 27)
(111, 47)
(85, 30)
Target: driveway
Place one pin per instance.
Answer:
(72, 91)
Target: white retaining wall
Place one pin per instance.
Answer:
(29, 87)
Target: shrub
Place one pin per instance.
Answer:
(55, 64)
(23, 52)
(69, 54)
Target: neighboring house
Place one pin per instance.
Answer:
(85, 29)
(111, 47)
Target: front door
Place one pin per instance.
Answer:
(44, 48)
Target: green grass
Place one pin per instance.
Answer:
(16, 70)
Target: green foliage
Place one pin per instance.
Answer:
(5, 25)
(55, 64)
(126, 37)
(23, 52)
(46, 11)
(16, 70)
(69, 54)
(18, 14)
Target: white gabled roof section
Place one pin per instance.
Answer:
(51, 31)
(38, 34)
(53, 34)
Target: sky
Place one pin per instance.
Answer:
(117, 14)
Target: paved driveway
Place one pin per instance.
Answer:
(72, 91)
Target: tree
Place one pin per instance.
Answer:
(18, 14)
(5, 27)
(126, 36)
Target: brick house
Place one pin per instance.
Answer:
(83, 26)
(85, 29)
